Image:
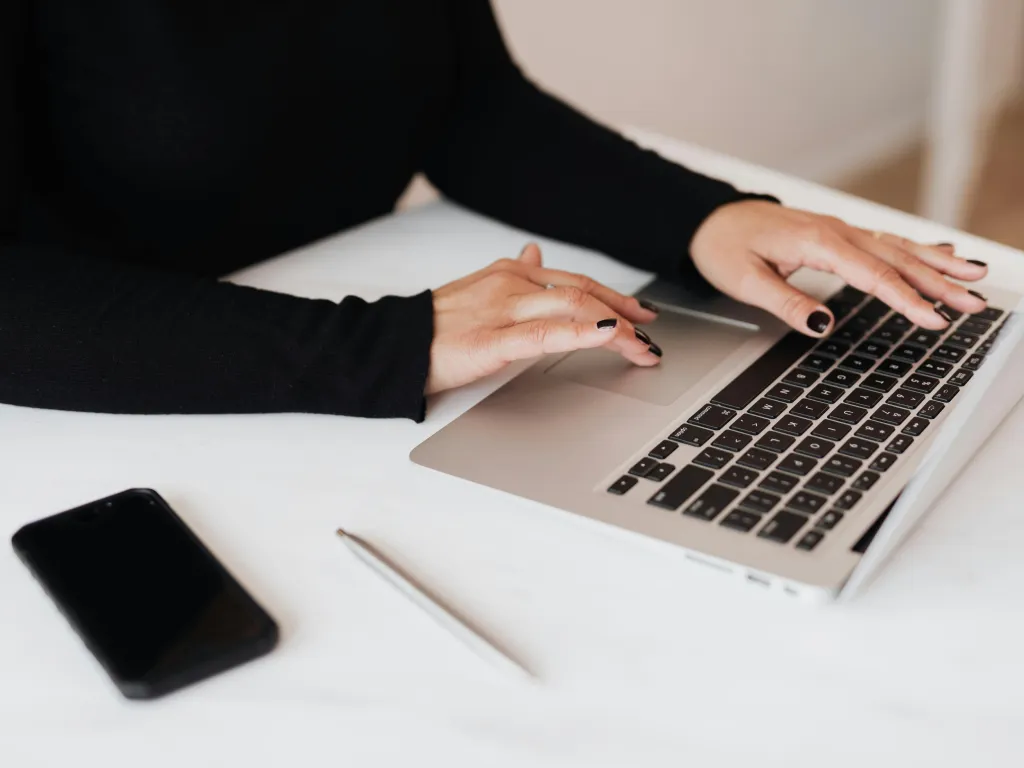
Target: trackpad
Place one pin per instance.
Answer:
(692, 345)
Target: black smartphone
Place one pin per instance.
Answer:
(149, 600)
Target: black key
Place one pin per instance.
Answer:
(826, 393)
(642, 467)
(779, 482)
(760, 501)
(742, 390)
(950, 354)
(883, 461)
(933, 367)
(879, 381)
(891, 414)
(898, 321)
(860, 322)
(773, 441)
(832, 348)
(660, 472)
(691, 435)
(873, 348)
(965, 340)
(810, 540)
(863, 398)
(800, 377)
(850, 294)
(840, 309)
(738, 476)
(989, 313)
(874, 310)
(899, 444)
(850, 414)
(977, 327)
(813, 447)
(713, 458)
(663, 449)
(817, 363)
(848, 335)
(931, 409)
(956, 314)
(946, 393)
(806, 502)
(681, 487)
(787, 393)
(847, 500)
(822, 482)
(859, 449)
(809, 409)
(831, 430)
(926, 339)
(752, 425)
(866, 481)
(842, 378)
(830, 520)
(920, 382)
(741, 520)
(910, 353)
(757, 459)
(782, 527)
(961, 377)
(893, 367)
(915, 427)
(713, 416)
(875, 430)
(974, 362)
(887, 335)
(793, 425)
(905, 398)
(622, 485)
(797, 465)
(731, 441)
(767, 408)
(986, 346)
(856, 363)
(710, 504)
(842, 466)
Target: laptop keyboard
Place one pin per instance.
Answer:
(792, 444)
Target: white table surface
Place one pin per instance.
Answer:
(642, 659)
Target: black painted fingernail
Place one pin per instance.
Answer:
(943, 314)
(977, 295)
(656, 350)
(648, 306)
(642, 336)
(818, 321)
(609, 324)
(977, 263)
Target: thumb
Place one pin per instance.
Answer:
(764, 288)
(530, 255)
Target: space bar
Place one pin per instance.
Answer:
(764, 371)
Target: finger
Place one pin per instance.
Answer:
(627, 306)
(530, 255)
(764, 288)
(551, 336)
(941, 257)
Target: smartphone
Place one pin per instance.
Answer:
(149, 600)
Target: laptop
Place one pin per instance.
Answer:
(796, 465)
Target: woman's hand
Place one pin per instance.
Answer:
(748, 249)
(516, 309)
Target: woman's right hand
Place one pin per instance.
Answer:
(516, 309)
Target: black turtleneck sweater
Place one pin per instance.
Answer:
(149, 147)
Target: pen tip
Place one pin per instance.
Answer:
(341, 532)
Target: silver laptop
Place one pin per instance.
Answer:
(794, 464)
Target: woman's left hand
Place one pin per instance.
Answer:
(748, 249)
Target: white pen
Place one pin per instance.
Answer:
(444, 616)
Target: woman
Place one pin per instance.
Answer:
(148, 147)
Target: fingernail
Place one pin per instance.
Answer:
(609, 324)
(648, 306)
(977, 295)
(977, 263)
(642, 336)
(818, 321)
(943, 314)
(656, 350)
(945, 246)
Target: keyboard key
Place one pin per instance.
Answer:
(842, 466)
(847, 500)
(848, 414)
(809, 409)
(752, 425)
(961, 377)
(681, 487)
(710, 504)
(933, 367)
(946, 393)
(863, 398)
(713, 416)
(782, 527)
(688, 434)
(757, 459)
(950, 354)
(879, 381)
(661, 472)
(825, 393)
(866, 481)
(848, 335)
(806, 502)
(797, 465)
(900, 443)
(663, 449)
(856, 363)
(853, 295)
(793, 425)
(887, 335)
(763, 372)
(642, 467)
(831, 430)
(800, 377)
(989, 313)
(770, 409)
(874, 310)
(830, 520)
(774, 441)
(975, 326)
(622, 485)
(965, 340)
(883, 461)
(740, 520)
(813, 447)
(893, 367)
(974, 362)
(986, 346)
(910, 353)
(926, 339)
(873, 348)
(810, 540)
(779, 482)
(713, 458)
(905, 398)
(921, 383)
(832, 348)
(787, 393)
(760, 501)
(875, 430)
(739, 477)
(956, 314)
(731, 441)
(859, 449)
(822, 482)
(899, 322)
(817, 363)
(842, 378)
(931, 409)
(891, 414)
(915, 427)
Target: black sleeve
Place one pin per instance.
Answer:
(85, 334)
(517, 154)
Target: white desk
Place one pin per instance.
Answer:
(643, 659)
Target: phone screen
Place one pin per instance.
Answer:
(152, 603)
